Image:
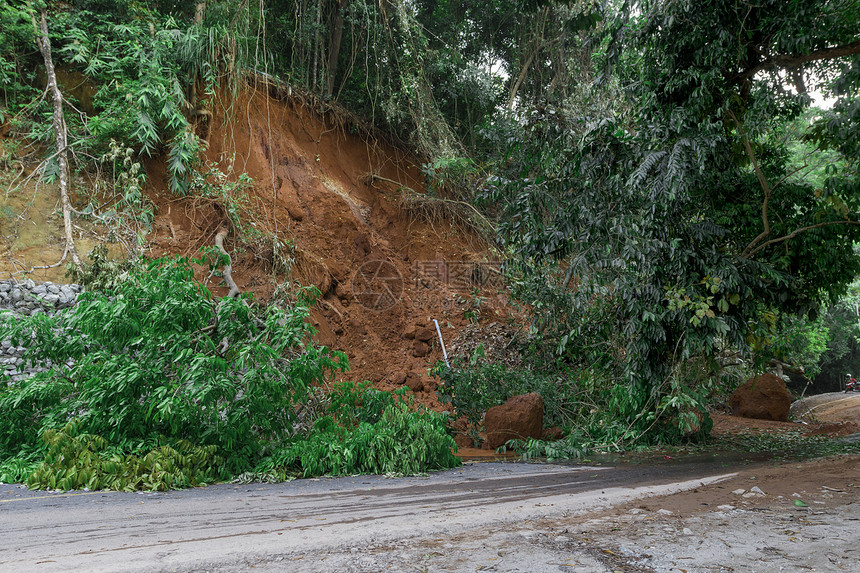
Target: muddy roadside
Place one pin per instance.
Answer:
(788, 517)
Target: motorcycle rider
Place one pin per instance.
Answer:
(850, 383)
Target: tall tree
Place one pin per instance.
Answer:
(62, 134)
(682, 214)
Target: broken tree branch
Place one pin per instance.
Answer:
(228, 268)
(59, 125)
(792, 61)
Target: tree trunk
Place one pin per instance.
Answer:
(199, 11)
(228, 268)
(317, 59)
(334, 43)
(59, 125)
(512, 95)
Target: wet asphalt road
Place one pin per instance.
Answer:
(209, 528)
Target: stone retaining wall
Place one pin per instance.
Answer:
(28, 298)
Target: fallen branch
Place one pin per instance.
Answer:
(228, 268)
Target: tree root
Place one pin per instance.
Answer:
(228, 268)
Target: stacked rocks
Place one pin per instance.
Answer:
(28, 298)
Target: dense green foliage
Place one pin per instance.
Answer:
(154, 384)
(660, 231)
(667, 200)
(368, 431)
(137, 76)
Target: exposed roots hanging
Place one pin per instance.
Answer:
(460, 215)
(340, 116)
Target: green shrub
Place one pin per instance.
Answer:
(75, 461)
(369, 431)
(159, 360)
(154, 385)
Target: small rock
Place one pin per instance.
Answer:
(725, 507)
(420, 349)
(424, 334)
(739, 491)
(414, 382)
(398, 378)
(687, 531)
(664, 512)
(552, 434)
(757, 489)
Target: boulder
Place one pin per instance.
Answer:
(519, 418)
(763, 398)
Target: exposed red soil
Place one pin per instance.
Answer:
(335, 197)
(329, 194)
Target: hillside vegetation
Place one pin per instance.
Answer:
(634, 204)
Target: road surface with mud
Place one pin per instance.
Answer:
(707, 515)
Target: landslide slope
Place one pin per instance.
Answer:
(332, 196)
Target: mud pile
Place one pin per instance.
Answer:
(333, 201)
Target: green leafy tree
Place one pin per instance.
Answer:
(158, 356)
(675, 218)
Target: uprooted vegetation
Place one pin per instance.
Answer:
(155, 384)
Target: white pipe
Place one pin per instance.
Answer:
(442, 342)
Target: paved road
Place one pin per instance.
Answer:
(308, 525)
(828, 407)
